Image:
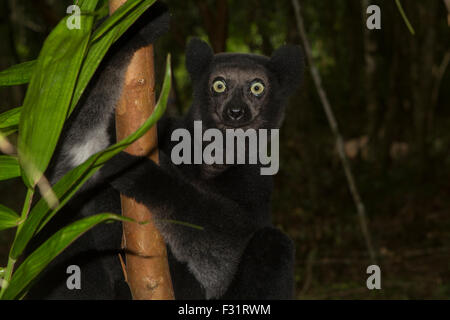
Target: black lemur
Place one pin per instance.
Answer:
(238, 254)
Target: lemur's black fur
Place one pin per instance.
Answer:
(239, 254)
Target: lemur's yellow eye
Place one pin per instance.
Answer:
(257, 88)
(219, 86)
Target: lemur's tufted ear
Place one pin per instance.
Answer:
(198, 57)
(287, 63)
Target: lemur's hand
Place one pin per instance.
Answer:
(137, 177)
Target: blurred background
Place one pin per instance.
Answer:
(390, 94)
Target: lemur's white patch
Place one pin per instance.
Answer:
(94, 142)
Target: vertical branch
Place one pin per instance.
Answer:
(335, 129)
(216, 23)
(370, 48)
(438, 75)
(447, 4)
(147, 269)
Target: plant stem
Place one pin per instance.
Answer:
(25, 209)
(405, 18)
(11, 262)
(8, 274)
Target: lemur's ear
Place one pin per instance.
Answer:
(198, 57)
(287, 64)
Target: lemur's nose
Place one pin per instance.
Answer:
(235, 112)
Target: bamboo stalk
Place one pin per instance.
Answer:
(335, 129)
(147, 269)
(447, 4)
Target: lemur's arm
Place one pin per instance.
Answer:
(88, 128)
(213, 253)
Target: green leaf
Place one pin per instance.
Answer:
(66, 187)
(405, 18)
(7, 131)
(122, 11)
(9, 121)
(183, 223)
(8, 218)
(43, 255)
(10, 118)
(17, 74)
(9, 167)
(49, 94)
(102, 40)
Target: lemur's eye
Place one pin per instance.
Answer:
(257, 88)
(219, 86)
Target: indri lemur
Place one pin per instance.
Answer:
(239, 254)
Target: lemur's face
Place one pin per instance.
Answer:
(238, 95)
(236, 90)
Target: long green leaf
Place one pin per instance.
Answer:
(115, 17)
(9, 167)
(50, 92)
(102, 40)
(43, 255)
(21, 73)
(17, 74)
(66, 187)
(9, 121)
(8, 218)
(10, 118)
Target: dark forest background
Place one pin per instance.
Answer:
(390, 93)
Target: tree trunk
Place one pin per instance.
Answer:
(147, 270)
(216, 23)
(370, 49)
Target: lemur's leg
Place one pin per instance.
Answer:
(86, 131)
(212, 254)
(266, 270)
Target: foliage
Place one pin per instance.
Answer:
(57, 79)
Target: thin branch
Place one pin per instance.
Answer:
(335, 129)
(438, 76)
(405, 18)
(310, 261)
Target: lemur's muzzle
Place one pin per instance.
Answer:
(236, 112)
